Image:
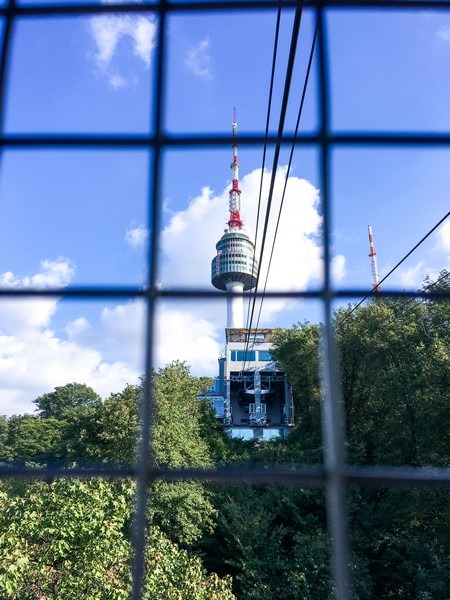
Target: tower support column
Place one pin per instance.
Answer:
(235, 304)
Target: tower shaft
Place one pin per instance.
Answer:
(235, 305)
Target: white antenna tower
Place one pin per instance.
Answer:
(373, 258)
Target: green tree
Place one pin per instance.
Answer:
(65, 399)
(65, 428)
(400, 540)
(183, 510)
(70, 539)
(30, 439)
(174, 575)
(297, 349)
(177, 433)
(273, 541)
(3, 429)
(179, 437)
(65, 539)
(394, 365)
(119, 426)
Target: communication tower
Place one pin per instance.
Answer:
(251, 397)
(373, 258)
(235, 268)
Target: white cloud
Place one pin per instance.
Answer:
(109, 31)
(444, 236)
(23, 315)
(123, 329)
(184, 335)
(35, 363)
(56, 273)
(108, 352)
(179, 334)
(33, 359)
(412, 277)
(143, 32)
(116, 81)
(338, 267)
(189, 240)
(198, 60)
(444, 34)
(136, 237)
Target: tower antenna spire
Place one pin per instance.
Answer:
(373, 258)
(235, 221)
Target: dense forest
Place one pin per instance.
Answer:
(69, 538)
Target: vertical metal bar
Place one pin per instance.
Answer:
(147, 400)
(4, 59)
(4, 64)
(331, 405)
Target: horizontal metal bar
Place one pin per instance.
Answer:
(207, 294)
(398, 476)
(316, 475)
(77, 292)
(61, 9)
(189, 140)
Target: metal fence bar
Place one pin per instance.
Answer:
(335, 475)
(332, 430)
(419, 139)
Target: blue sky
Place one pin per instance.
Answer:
(79, 217)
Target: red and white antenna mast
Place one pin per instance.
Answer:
(235, 221)
(373, 258)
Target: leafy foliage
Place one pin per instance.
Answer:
(273, 540)
(28, 438)
(177, 434)
(297, 349)
(70, 539)
(65, 539)
(395, 366)
(65, 399)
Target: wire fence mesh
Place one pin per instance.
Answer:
(335, 475)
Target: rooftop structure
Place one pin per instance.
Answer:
(251, 396)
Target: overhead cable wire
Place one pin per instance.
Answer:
(269, 107)
(432, 230)
(284, 104)
(302, 101)
(251, 303)
(283, 111)
(315, 348)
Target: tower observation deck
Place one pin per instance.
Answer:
(235, 268)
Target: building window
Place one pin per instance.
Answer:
(243, 356)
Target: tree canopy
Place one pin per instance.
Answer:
(69, 538)
(64, 400)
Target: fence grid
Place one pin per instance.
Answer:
(335, 475)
